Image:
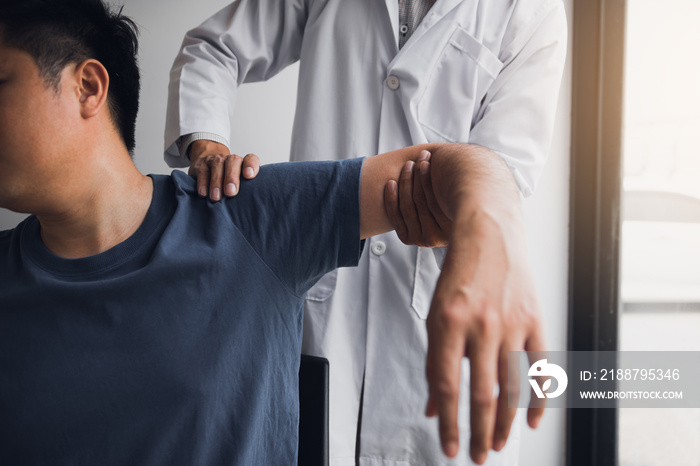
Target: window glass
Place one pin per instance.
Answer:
(660, 243)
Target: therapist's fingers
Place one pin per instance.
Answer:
(202, 173)
(432, 233)
(216, 175)
(509, 389)
(419, 196)
(406, 205)
(391, 205)
(483, 361)
(427, 234)
(443, 221)
(251, 166)
(232, 175)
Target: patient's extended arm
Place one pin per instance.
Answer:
(485, 303)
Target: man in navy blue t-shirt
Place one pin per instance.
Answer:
(143, 324)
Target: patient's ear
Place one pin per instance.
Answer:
(93, 86)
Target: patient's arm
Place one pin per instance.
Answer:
(484, 304)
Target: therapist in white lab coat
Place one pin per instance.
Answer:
(377, 75)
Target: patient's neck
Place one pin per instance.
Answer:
(101, 208)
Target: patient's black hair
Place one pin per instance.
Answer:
(57, 33)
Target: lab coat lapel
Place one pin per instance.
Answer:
(436, 13)
(392, 10)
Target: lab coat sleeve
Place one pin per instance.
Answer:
(247, 41)
(516, 118)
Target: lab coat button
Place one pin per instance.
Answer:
(379, 248)
(393, 82)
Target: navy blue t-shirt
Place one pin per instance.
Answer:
(181, 345)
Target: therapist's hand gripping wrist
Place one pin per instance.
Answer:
(412, 208)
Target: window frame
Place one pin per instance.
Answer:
(596, 174)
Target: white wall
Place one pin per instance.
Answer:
(264, 112)
(262, 123)
(547, 223)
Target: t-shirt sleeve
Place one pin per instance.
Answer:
(302, 218)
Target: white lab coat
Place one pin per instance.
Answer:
(480, 71)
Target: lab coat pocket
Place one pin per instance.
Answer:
(323, 288)
(459, 81)
(426, 275)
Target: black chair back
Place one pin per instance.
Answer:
(313, 411)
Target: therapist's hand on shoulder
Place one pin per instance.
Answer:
(218, 172)
(412, 208)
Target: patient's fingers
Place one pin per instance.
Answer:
(509, 389)
(534, 345)
(446, 343)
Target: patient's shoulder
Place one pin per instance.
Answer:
(9, 239)
(5, 238)
(183, 183)
(7, 235)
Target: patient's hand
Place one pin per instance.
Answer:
(214, 166)
(412, 208)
